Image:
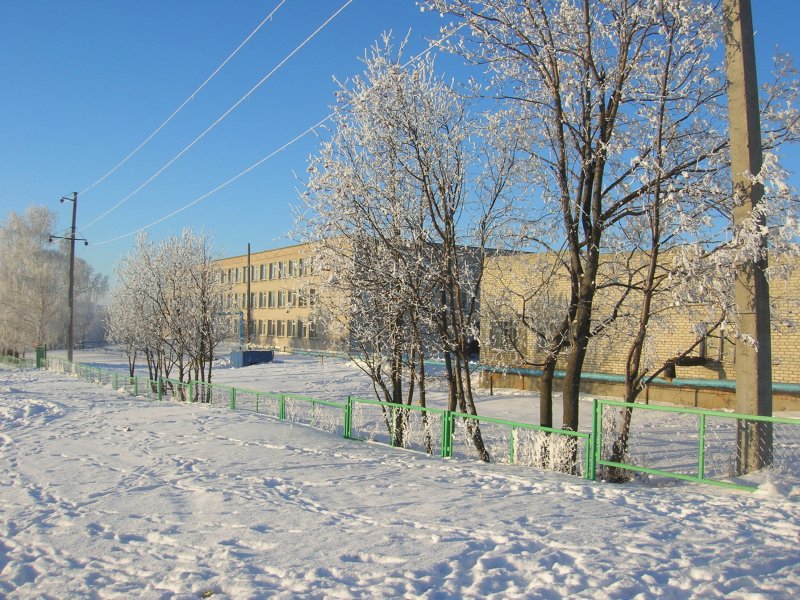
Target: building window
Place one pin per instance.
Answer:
(301, 267)
(291, 329)
(270, 327)
(291, 298)
(281, 328)
(262, 272)
(260, 327)
(312, 297)
(282, 299)
(273, 270)
(302, 329)
(237, 274)
(272, 299)
(252, 300)
(262, 300)
(312, 330)
(503, 335)
(281, 270)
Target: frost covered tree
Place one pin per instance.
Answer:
(622, 105)
(28, 281)
(404, 206)
(33, 283)
(167, 307)
(134, 320)
(123, 325)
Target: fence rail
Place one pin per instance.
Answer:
(15, 361)
(680, 443)
(691, 444)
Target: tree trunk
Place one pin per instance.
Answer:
(546, 392)
(572, 379)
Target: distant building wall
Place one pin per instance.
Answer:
(281, 310)
(518, 287)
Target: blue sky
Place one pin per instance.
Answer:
(85, 82)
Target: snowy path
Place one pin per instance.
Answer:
(105, 496)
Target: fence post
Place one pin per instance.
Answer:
(512, 442)
(41, 354)
(135, 385)
(160, 387)
(233, 398)
(391, 426)
(191, 391)
(595, 441)
(701, 449)
(282, 408)
(447, 434)
(116, 381)
(348, 418)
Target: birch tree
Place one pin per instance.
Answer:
(404, 207)
(33, 283)
(623, 105)
(167, 307)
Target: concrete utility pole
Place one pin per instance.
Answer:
(71, 292)
(248, 307)
(70, 341)
(753, 364)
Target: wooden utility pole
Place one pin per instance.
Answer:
(753, 363)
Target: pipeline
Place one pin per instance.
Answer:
(717, 384)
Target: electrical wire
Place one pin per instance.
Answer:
(218, 188)
(221, 118)
(251, 167)
(185, 102)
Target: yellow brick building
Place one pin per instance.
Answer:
(519, 287)
(275, 292)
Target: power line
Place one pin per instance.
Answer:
(185, 102)
(254, 165)
(221, 118)
(218, 188)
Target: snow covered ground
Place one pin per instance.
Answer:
(102, 495)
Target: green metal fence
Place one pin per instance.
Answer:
(409, 427)
(671, 442)
(690, 444)
(321, 414)
(453, 434)
(525, 444)
(174, 389)
(21, 363)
